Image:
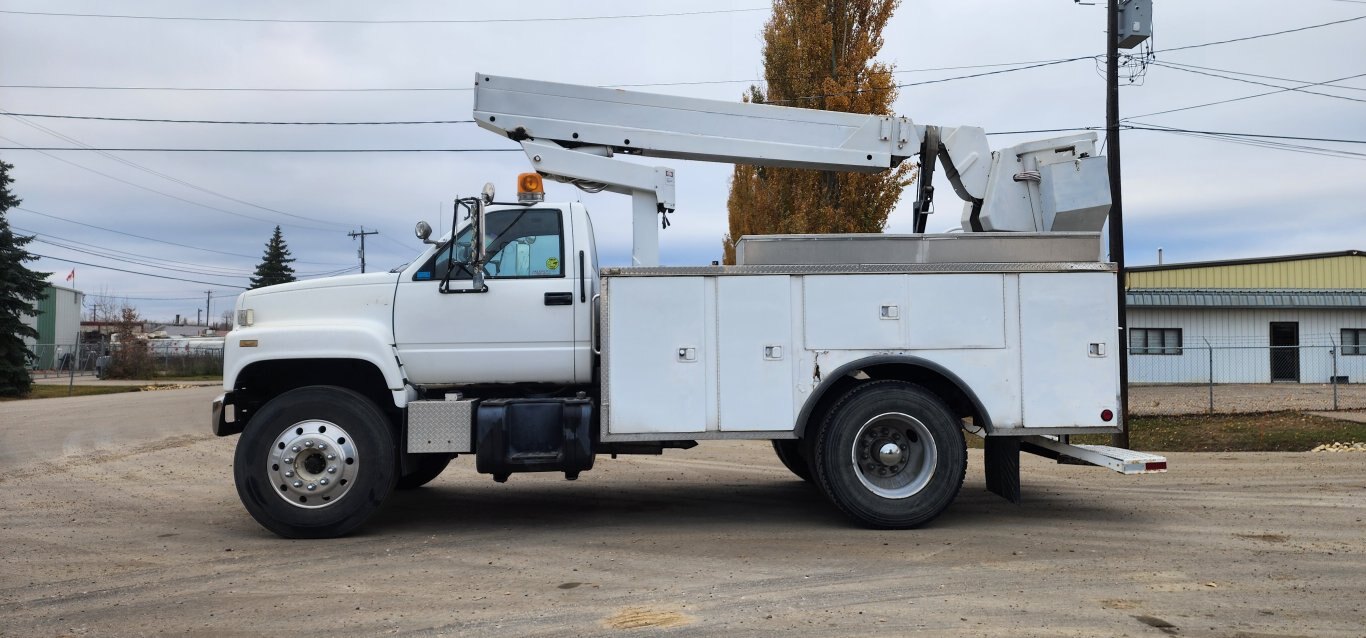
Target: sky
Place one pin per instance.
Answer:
(205, 217)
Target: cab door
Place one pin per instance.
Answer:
(521, 330)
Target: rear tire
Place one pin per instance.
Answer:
(890, 455)
(315, 462)
(425, 469)
(789, 451)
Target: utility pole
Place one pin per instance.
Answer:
(1130, 23)
(208, 306)
(353, 235)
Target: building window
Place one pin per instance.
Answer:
(1354, 341)
(1154, 341)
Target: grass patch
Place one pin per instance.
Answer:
(49, 391)
(1258, 432)
(189, 377)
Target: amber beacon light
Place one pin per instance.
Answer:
(530, 188)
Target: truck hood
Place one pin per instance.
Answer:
(352, 298)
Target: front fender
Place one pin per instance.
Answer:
(369, 343)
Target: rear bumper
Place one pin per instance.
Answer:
(222, 408)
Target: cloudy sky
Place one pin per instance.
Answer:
(205, 217)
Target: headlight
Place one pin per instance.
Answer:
(246, 317)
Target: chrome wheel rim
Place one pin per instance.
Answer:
(894, 455)
(312, 464)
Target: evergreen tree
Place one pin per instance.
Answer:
(819, 54)
(20, 288)
(275, 265)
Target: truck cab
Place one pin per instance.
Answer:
(541, 276)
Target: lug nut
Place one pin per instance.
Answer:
(323, 482)
(312, 487)
(298, 483)
(289, 474)
(308, 444)
(289, 460)
(331, 457)
(322, 446)
(295, 449)
(332, 470)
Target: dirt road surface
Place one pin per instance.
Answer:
(118, 530)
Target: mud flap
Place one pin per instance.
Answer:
(1003, 466)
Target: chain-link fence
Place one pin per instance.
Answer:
(169, 358)
(1219, 378)
(65, 359)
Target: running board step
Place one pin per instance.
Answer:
(1118, 459)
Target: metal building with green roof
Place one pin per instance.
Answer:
(1292, 318)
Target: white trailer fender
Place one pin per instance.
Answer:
(369, 343)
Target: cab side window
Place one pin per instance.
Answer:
(522, 244)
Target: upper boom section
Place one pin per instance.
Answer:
(693, 129)
(570, 133)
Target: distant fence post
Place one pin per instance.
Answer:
(1333, 351)
(1210, 349)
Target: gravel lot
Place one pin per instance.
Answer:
(142, 534)
(1231, 398)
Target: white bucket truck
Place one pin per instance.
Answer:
(863, 358)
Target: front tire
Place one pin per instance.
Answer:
(315, 462)
(890, 455)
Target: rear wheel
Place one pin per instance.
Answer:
(315, 462)
(890, 455)
(790, 453)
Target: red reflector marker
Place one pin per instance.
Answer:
(1155, 466)
(1106, 415)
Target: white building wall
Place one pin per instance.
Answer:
(1239, 341)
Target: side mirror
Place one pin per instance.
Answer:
(488, 192)
(423, 231)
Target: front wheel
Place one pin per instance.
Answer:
(315, 462)
(890, 455)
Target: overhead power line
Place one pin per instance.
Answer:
(170, 178)
(1246, 97)
(139, 259)
(160, 241)
(43, 149)
(1029, 64)
(467, 88)
(1261, 35)
(134, 272)
(1246, 81)
(1255, 75)
(502, 150)
(1263, 143)
(521, 20)
(251, 122)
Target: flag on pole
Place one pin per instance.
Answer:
(71, 276)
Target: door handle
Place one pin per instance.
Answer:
(559, 298)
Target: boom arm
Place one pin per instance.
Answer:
(571, 134)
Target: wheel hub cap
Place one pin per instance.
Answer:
(312, 464)
(889, 454)
(894, 455)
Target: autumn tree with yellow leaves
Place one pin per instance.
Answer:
(819, 54)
